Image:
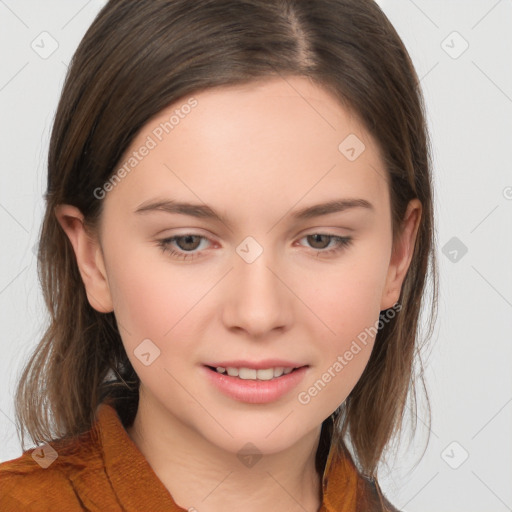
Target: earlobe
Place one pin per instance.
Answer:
(88, 255)
(402, 255)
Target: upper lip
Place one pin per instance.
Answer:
(257, 365)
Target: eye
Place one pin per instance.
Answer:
(186, 245)
(319, 240)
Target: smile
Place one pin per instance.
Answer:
(255, 386)
(252, 373)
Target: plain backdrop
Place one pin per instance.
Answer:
(462, 52)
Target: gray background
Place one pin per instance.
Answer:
(467, 463)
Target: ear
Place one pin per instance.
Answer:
(401, 255)
(89, 257)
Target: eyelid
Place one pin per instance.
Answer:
(185, 231)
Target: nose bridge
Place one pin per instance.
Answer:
(258, 301)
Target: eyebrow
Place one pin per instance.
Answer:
(206, 212)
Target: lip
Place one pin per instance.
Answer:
(256, 365)
(256, 391)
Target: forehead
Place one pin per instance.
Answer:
(274, 142)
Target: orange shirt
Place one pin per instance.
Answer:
(103, 470)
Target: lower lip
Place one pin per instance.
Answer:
(255, 391)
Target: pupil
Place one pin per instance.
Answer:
(188, 241)
(316, 237)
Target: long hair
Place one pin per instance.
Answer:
(136, 59)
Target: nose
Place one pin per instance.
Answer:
(258, 300)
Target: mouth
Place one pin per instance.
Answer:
(255, 382)
(244, 373)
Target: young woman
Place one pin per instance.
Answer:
(234, 254)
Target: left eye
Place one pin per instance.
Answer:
(188, 244)
(341, 241)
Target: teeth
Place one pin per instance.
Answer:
(246, 373)
(251, 373)
(232, 372)
(278, 371)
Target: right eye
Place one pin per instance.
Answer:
(186, 245)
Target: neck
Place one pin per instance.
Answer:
(204, 477)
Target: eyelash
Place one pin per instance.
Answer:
(342, 242)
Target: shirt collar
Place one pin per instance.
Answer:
(136, 485)
(339, 482)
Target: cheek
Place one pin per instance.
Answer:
(345, 297)
(345, 300)
(156, 304)
(151, 299)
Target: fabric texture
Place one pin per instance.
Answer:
(103, 470)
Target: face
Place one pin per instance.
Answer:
(243, 277)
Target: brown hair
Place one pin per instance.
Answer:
(138, 58)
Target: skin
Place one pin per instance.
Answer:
(253, 153)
